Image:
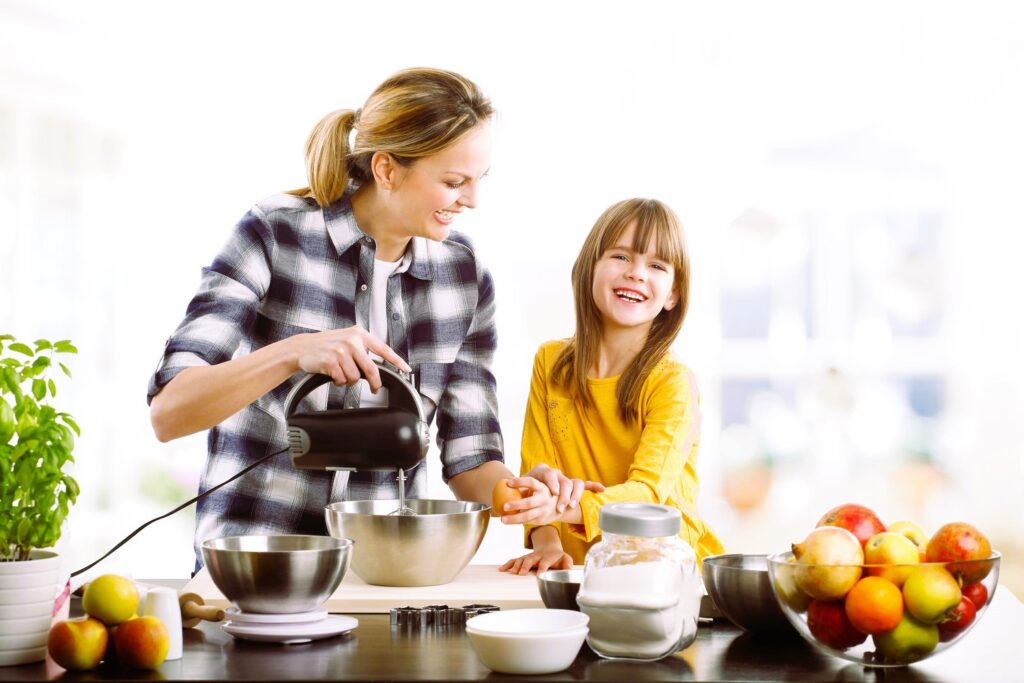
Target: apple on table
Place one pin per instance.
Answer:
(78, 644)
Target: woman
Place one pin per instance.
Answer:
(362, 262)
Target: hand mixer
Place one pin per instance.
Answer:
(391, 438)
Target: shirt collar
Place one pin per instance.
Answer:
(345, 232)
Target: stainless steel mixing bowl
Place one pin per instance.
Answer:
(558, 587)
(277, 574)
(428, 548)
(742, 590)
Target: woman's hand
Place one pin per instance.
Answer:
(344, 355)
(540, 559)
(569, 491)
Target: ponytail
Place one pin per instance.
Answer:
(327, 158)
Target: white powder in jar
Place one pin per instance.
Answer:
(638, 610)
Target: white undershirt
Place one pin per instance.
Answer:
(382, 270)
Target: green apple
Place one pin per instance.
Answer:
(914, 532)
(930, 592)
(910, 641)
(891, 548)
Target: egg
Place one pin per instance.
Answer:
(502, 494)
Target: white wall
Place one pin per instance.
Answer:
(165, 122)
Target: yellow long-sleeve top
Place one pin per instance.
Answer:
(651, 460)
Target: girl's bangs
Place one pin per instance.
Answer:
(653, 221)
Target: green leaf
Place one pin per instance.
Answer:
(6, 337)
(41, 362)
(39, 389)
(7, 421)
(65, 369)
(53, 387)
(65, 346)
(71, 423)
(42, 344)
(21, 348)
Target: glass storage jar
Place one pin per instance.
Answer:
(640, 588)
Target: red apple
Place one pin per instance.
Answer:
(957, 621)
(977, 592)
(859, 520)
(830, 625)
(961, 541)
(78, 644)
(141, 643)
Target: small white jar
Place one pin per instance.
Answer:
(640, 586)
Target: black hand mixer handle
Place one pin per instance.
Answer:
(396, 437)
(401, 391)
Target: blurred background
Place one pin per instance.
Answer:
(849, 179)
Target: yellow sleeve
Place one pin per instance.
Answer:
(537, 447)
(671, 428)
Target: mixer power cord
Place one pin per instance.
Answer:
(180, 507)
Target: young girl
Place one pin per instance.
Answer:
(611, 404)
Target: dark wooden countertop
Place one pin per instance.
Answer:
(376, 652)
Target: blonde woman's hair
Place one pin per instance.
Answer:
(653, 219)
(413, 114)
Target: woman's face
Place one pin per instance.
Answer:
(428, 196)
(631, 288)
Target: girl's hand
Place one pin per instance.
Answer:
(344, 355)
(539, 507)
(569, 491)
(539, 560)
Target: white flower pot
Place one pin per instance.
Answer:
(27, 592)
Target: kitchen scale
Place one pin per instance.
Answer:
(288, 629)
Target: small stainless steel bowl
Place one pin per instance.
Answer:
(428, 548)
(558, 587)
(742, 591)
(277, 574)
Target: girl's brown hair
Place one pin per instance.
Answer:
(413, 114)
(653, 219)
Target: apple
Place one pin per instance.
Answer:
(78, 644)
(908, 642)
(977, 592)
(930, 592)
(111, 599)
(961, 541)
(829, 624)
(828, 563)
(957, 621)
(891, 548)
(786, 588)
(914, 532)
(857, 519)
(141, 643)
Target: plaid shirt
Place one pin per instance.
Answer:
(290, 267)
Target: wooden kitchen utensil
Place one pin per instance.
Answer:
(194, 610)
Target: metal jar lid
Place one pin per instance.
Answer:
(639, 519)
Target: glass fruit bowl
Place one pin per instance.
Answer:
(884, 614)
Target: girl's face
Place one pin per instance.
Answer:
(428, 196)
(630, 289)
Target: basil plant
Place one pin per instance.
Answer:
(36, 441)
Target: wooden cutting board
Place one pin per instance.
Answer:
(477, 584)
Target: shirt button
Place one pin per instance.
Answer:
(362, 288)
(395, 316)
(368, 239)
